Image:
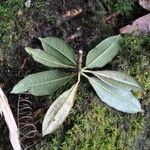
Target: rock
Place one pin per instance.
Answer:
(145, 4)
(139, 26)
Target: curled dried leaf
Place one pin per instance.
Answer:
(72, 12)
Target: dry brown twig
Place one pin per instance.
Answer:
(10, 121)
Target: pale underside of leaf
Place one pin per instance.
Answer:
(59, 110)
(43, 83)
(121, 100)
(58, 48)
(103, 52)
(10, 121)
(118, 80)
(46, 59)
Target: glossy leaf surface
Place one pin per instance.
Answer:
(59, 110)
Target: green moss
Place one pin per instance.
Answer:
(92, 125)
(101, 128)
(8, 12)
(124, 7)
(134, 58)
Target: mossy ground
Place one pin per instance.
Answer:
(91, 125)
(96, 126)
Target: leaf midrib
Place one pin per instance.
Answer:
(61, 53)
(47, 82)
(62, 105)
(114, 94)
(101, 54)
(53, 62)
(127, 83)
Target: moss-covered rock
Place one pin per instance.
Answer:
(91, 125)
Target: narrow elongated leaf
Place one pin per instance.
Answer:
(103, 52)
(10, 121)
(59, 110)
(121, 100)
(43, 83)
(58, 48)
(45, 59)
(118, 80)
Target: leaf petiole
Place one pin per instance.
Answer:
(80, 55)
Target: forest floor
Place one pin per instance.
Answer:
(91, 124)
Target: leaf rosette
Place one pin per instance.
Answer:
(112, 87)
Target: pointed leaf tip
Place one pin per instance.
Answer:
(43, 83)
(46, 59)
(58, 48)
(118, 80)
(59, 110)
(104, 52)
(121, 100)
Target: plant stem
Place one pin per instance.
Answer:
(80, 55)
(88, 71)
(85, 75)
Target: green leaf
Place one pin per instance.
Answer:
(58, 48)
(45, 59)
(121, 100)
(118, 80)
(103, 52)
(43, 83)
(59, 110)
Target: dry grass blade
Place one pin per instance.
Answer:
(10, 121)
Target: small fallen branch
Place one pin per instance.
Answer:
(10, 121)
